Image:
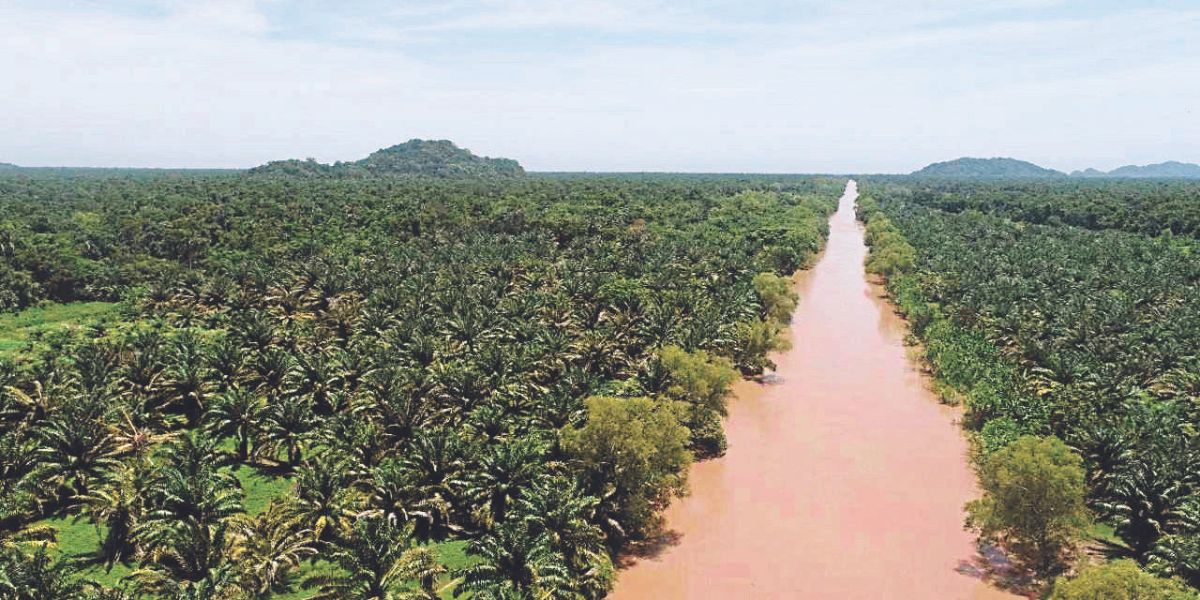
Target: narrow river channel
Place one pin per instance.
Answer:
(845, 480)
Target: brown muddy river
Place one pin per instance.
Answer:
(845, 480)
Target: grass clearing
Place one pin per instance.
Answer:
(15, 328)
(261, 488)
(78, 538)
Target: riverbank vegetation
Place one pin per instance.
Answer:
(1064, 310)
(285, 385)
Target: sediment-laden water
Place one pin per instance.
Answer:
(844, 480)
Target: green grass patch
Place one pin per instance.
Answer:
(454, 554)
(1106, 533)
(260, 489)
(80, 539)
(15, 328)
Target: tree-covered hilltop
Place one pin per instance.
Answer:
(8, 166)
(986, 168)
(437, 158)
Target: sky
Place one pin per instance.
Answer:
(774, 86)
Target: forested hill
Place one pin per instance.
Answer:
(1167, 170)
(8, 166)
(987, 168)
(439, 158)
(1011, 168)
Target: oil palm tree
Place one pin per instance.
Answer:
(558, 509)
(117, 505)
(236, 413)
(514, 560)
(503, 472)
(425, 484)
(75, 444)
(356, 440)
(38, 576)
(217, 583)
(326, 499)
(286, 424)
(227, 362)
(317, 375)
(185, 378)
(192, 508)
(266, 549)
(377, 561)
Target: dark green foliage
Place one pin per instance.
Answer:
(37, 576)
(1147, 207)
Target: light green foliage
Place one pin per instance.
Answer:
(1119, 580)
(1033, 501)
(999, 433)
(703, 383)
(754, 341)
(878, 227)
(640, 446)
(697, 378)
(779, 301)
(15, 328)
(891, 254)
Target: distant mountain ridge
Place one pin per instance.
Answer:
(1168, 170)
(8, 166)
(1002, 168)
(438, 158)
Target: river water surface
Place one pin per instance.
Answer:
(844, 480)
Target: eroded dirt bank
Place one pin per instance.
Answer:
(846, 480)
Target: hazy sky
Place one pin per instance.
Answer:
(720, 85)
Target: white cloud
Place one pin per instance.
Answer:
(240, 16)
(871, 85)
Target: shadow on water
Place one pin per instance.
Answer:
(991, 566)
(650, 549)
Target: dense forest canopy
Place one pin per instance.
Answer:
(1149, 207)
(285, 385)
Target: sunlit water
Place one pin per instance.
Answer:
(844, 480)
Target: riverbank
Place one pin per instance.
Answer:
(846, 479)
